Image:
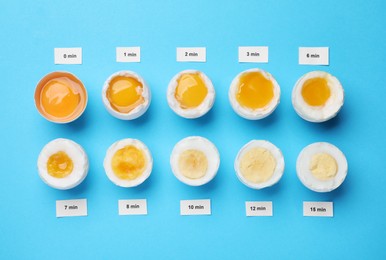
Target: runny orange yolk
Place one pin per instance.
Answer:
(128, 163)
(125, 93)
(59, 165)
(191, 90)
(316, 91)
(60, 97)
(254, 91)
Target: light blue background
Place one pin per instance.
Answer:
(355, 31)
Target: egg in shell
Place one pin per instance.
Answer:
(62, 164)
(190, 94)
(259, 164)
(317, 96)
(254, 94)
(321, 167)
(126, 95)
(195, 160)
(128, 163)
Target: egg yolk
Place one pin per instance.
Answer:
(59, 165)
(125, 94)
(257, 165)
(190, 91)
(193, 164)
(316, 91)
(60, 97)
(254, 90)
(323, 166)
(128, 163)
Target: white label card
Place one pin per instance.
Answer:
(71, 208)
(313, 55)
(257, 54)
(259, 208)
(68, 55)
(132, 207)
(318, 209)
(128, 54)
(195, 207)
(194, 54)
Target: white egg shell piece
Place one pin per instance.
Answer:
(78, 157)
(119, 145)
(276, 153)
(323, 113)
(254, 114)
(136, 112)
(196, 112)
(196, 143)
(307, 178)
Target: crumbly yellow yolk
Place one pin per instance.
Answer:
(128, 163)
(254, 90)
(191, 90)
(323, 166)
(193, 164)
(60, 97)
(125, 94)
(257, 165)
(59, 165)
(316, 91)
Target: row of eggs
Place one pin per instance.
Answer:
(254, 94)
(321, 167)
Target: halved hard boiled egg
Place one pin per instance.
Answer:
(62, 164)
(128, 163)
(321, 167)
(317, 96)
(126, 95)
(259, 164)
(195, 160)
(190, 94)
(254, 94)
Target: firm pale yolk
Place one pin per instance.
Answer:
(257, 165)
(128, 163)
(193, 164)
(323, 166)
(254, 90)
(59, 165)
(125, 94)
(316, 91)
(191, 90)
(60, 97)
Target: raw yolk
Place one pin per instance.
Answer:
(193, 164)
(257, 165)
(125, 94)
(60, 97)
(323, 166)
(59, 165)
(128, 163)
(254, 90)
(191, 90)
(316, 92)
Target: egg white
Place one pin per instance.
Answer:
(136, 112)
(196, 112)
(318, 114)
(254, 114)
(78, 157)
(119, 145)
(201, 144)
(276, 153)
(307, 178)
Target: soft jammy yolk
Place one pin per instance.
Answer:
(316, 91)
(254, 90)
(128, 163)
(191, 90)
(59, 165)
(60, 98)
(125, 94)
